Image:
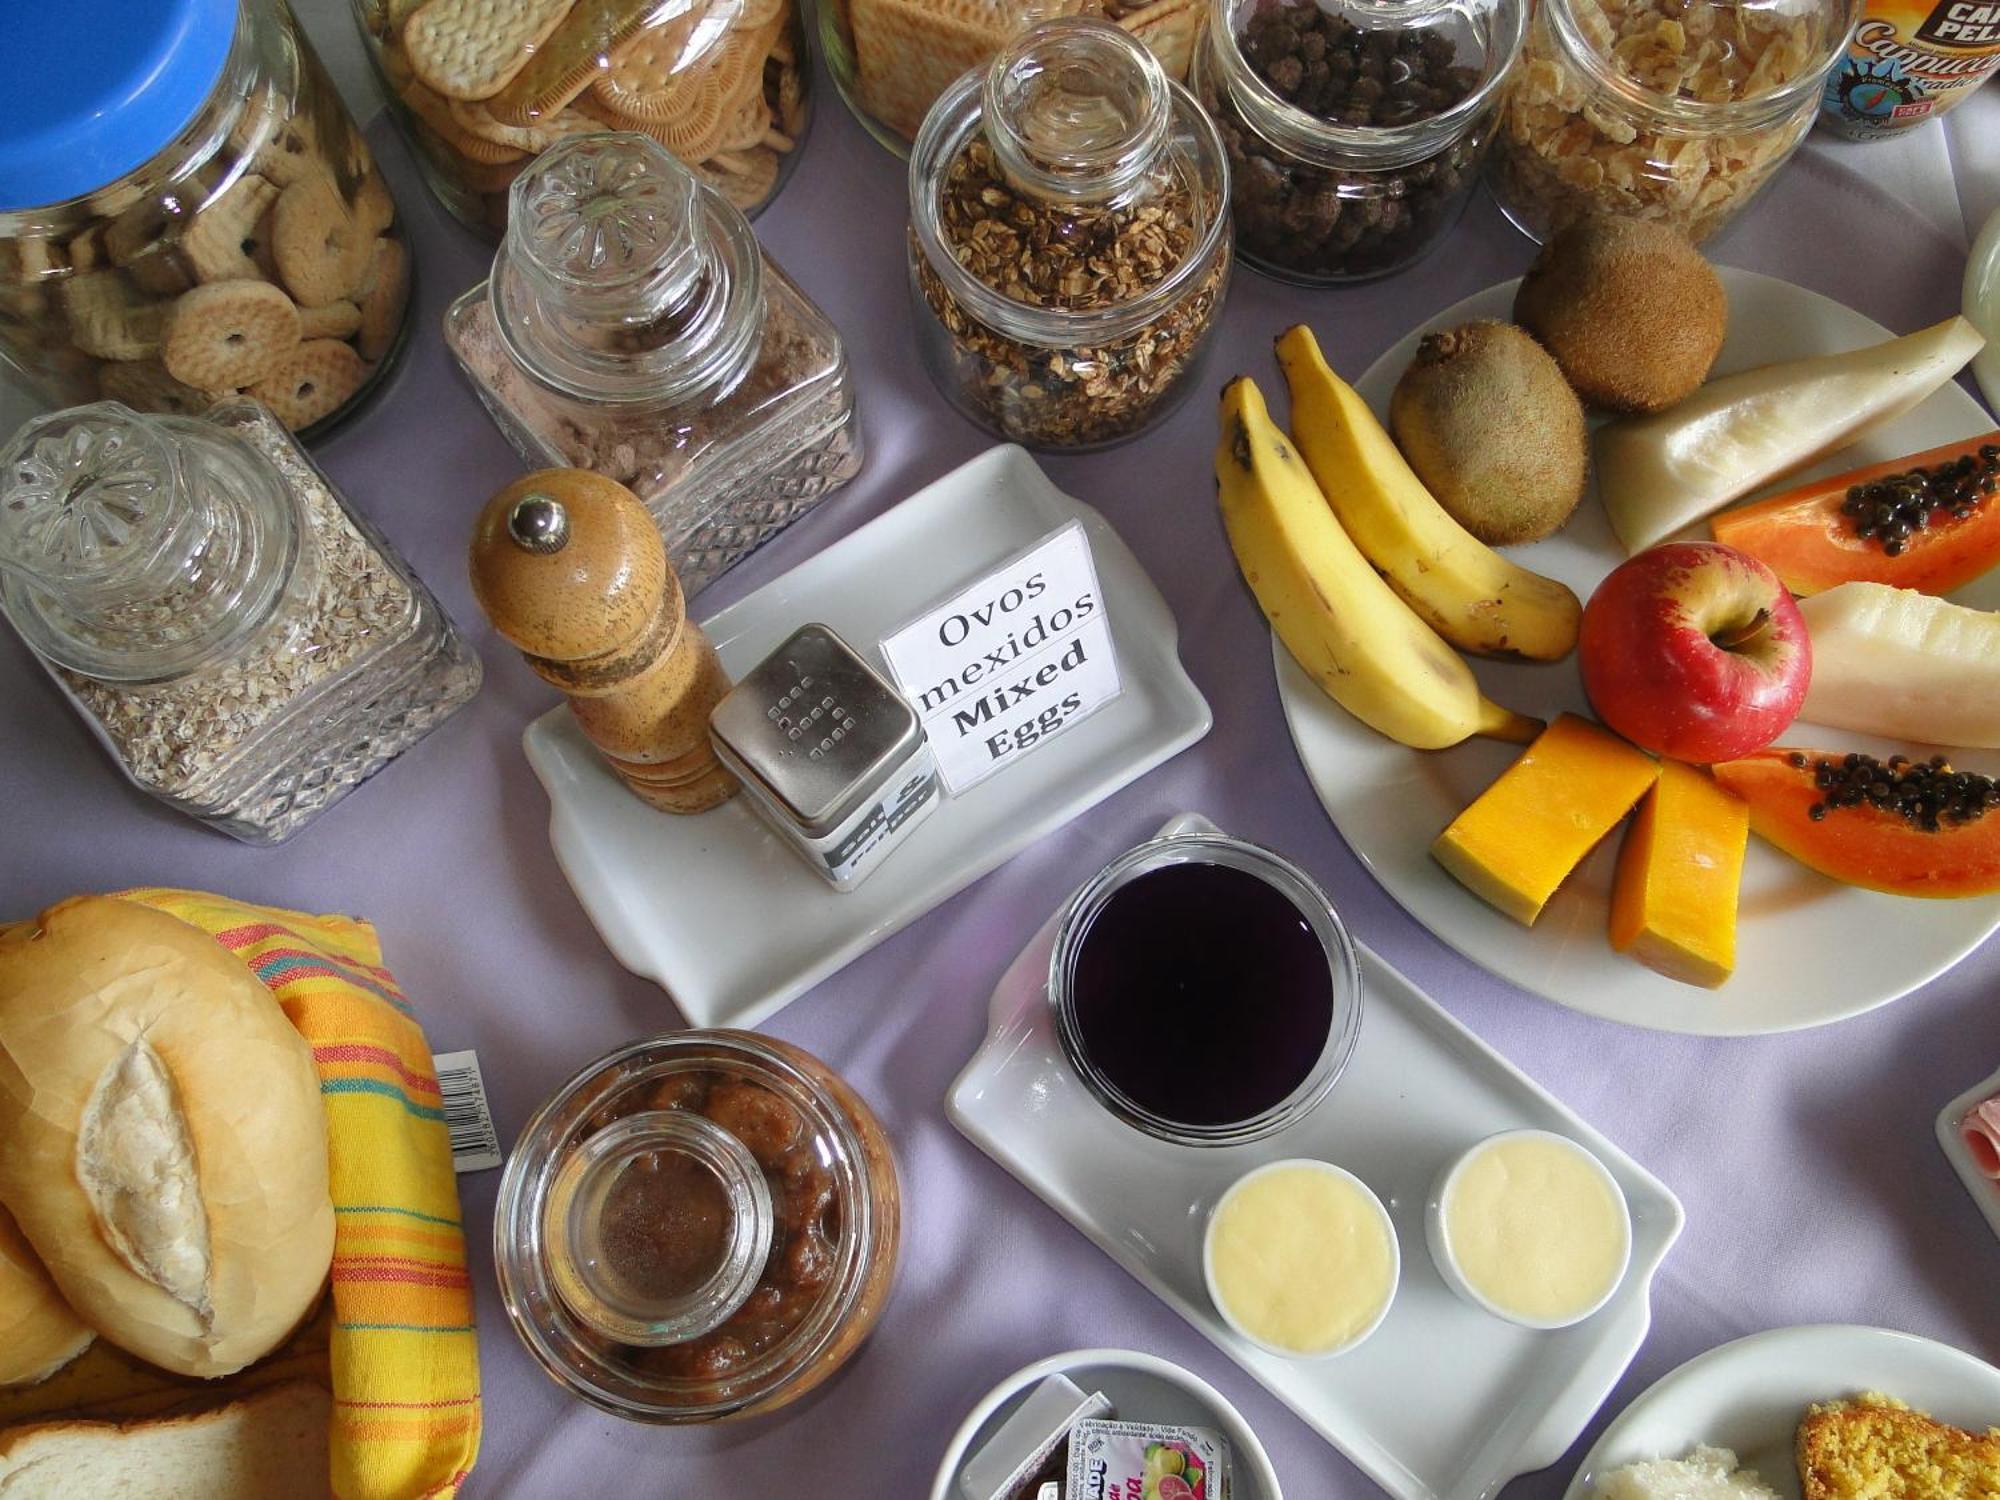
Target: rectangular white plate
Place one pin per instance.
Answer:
(720, 911)
(1985, 1191)
(1443, 1402)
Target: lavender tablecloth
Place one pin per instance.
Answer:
(1814, 1189)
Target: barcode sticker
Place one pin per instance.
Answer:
(467, 1120)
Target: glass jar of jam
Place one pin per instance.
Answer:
(698, 1226)
(1204, 990)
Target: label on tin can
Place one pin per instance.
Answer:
(1908, 62)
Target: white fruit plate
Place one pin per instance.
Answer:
(1807, 950)
(1982, 306)
(1748, 1396)
(1443, 1401)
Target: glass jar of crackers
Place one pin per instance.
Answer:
(193, 218)
(1675, 110)
(891, 59)
(1069, 238)
(482, 86)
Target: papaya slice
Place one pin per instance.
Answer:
(1804, 537)
(1864, 844)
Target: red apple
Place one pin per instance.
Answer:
(1696, 651)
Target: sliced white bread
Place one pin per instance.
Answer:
(269, 1445)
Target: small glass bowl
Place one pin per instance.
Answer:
(1447, 1263)
(1343, 1029)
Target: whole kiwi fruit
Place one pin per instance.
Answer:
(1494, 431)
(1631, 311)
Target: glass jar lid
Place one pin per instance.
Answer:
(136, 548)
(1415, 74)
(622, 277)
(1725, 62)
(1069, 192)
(684, 1228)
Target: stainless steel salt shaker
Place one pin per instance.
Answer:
(830, 754)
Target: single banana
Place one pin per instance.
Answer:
(1467, 592)
(1342, 623)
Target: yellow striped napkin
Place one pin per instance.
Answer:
(405, 1361)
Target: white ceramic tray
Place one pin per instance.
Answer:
(721, 912)
(1443, 1402)
(1747, 1396)
(1804, 957)
(1985, 1191)
(1142, 1387)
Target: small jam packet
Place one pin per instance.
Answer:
(1146, 1461)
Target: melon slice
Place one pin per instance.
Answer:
(1660, 473)
(1904, 665)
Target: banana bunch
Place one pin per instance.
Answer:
(1464, 590)
(1367, 648)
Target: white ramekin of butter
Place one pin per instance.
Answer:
(1301, 1259)
(1531, 1227)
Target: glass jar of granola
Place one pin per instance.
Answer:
(891, 59)
(1355, 128)
(1069, 238)
(187, 213)
(1676, 110)
(633, 326)
(697, 1227)
(481, 86)
(245, 645)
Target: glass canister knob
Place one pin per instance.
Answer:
(608, 225)
(136, 548)
(1076, 109)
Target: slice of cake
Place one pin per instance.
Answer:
(1876, 1448)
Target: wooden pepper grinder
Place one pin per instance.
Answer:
(570, 568)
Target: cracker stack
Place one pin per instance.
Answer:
(571, 569)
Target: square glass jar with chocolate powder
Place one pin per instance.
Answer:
(633, 326)
(1355, 129)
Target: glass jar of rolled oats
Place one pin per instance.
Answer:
(1069, 238)
(1675, 110)
(187, 214)
(245, 645)
(482, 86)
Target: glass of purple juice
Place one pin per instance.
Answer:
(1204, 990)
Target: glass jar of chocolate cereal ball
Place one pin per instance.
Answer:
(188, 215)
(1069, 238)
(1675, 110)
(482, 86)
(698, 1226)
(1355, 128)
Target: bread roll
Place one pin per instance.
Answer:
(38, 1332)
(162, 1142)
(269, 1445)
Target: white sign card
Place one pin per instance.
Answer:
(1011, 661)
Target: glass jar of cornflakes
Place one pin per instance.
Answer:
(1675, 110)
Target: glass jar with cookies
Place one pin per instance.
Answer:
(891, 59)
(187, 214)
(1674, 110)
(482, 86)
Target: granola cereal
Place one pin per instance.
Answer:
(1727, 91)
(1116, 292)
